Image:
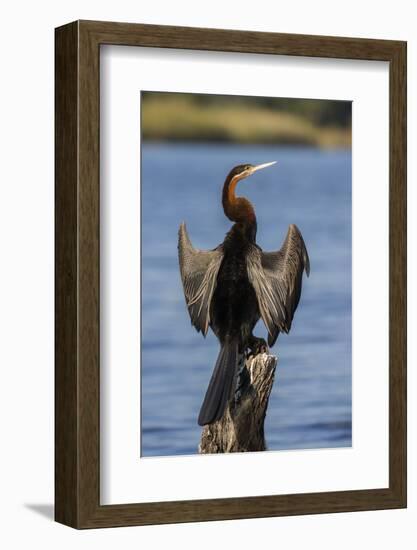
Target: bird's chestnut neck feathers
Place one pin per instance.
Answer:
(237, 209)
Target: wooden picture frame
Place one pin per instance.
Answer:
(77, 374)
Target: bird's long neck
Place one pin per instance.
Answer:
(237, 209)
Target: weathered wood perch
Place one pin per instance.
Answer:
(242, 427)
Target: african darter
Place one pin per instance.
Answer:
(230, 287)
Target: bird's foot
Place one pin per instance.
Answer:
(257, 345)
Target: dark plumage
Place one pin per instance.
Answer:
(231, 287)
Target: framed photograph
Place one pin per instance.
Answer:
(230, 274)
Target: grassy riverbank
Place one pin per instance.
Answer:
(187, 117)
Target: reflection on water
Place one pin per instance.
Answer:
(310, 405)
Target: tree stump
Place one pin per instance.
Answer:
(241, 429)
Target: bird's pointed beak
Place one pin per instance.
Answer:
(262, 166)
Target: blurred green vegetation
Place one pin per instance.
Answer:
(245, 119)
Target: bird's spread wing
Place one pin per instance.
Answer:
(277, 278)
(199, 270)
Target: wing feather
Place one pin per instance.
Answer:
(198, 270)
(277, 280)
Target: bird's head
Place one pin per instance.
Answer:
(245, 170)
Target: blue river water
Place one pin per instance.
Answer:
(310, 405)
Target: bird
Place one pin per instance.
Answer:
(232, 286)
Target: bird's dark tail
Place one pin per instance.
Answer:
(220, 386)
